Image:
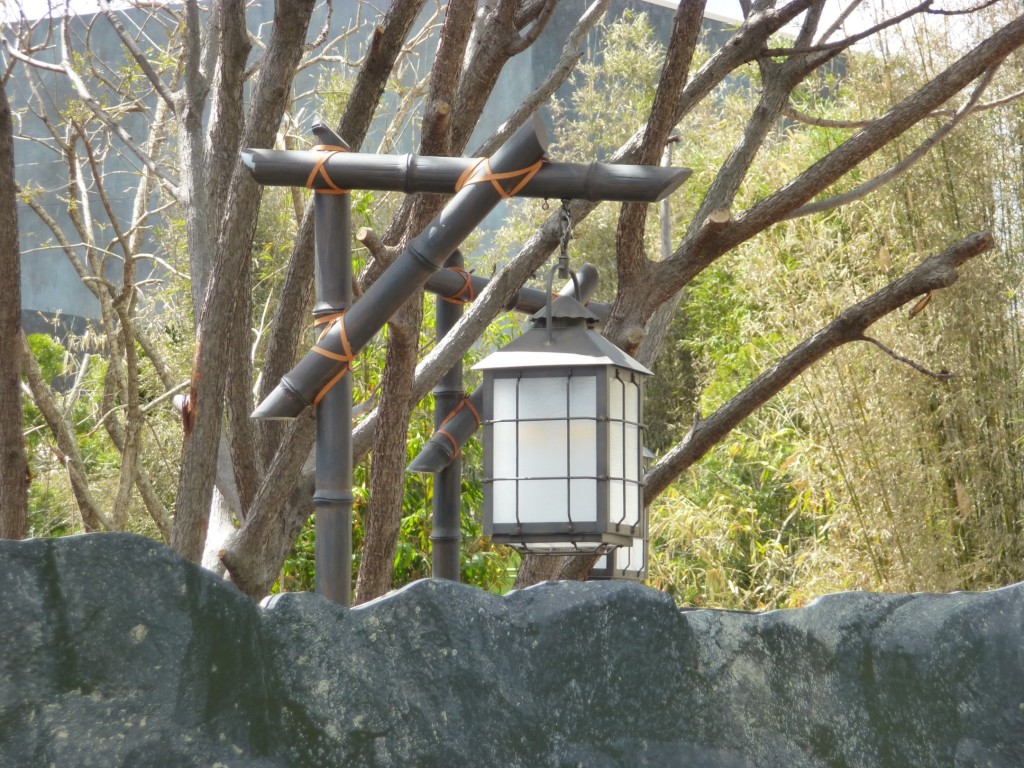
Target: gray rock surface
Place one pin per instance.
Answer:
(117, 653)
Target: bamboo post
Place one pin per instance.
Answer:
(332, 497)
(446, 531)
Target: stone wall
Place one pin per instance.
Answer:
(118, 653)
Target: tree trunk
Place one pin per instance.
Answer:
(227, 279)
(387, 467)
(13, 466)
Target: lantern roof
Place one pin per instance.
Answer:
(568, 343)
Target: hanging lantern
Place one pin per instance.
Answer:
(563, 463)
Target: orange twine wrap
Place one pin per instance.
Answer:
(469, 176)
(465, 294)
(327, 152)
(329, 321)
(463, 403)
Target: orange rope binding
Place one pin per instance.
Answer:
(327, 152)
(465, 294)
(469, 176)
(455, 446)
(463, 403)
(329, 321)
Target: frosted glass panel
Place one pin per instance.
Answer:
(504, 453)
(632, 502)
(632, 452)
(543, 398)
(630, 558)
(584, 500)
(542, 501)
(503, 495)
(615, 454)
(583, 448)
(615, 397)
(616, 508)
(504, 406)
(542, 448)
(583, 396)
(632, 401)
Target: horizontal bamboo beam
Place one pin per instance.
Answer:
(326, 170)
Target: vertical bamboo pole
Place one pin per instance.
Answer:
(446, 532)
(333, 497)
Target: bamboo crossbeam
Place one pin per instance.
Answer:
(417, 173)
(447, 282)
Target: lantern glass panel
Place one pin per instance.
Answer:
(504, 455)
(616, 395)
(616, 445)
(505, 396)
(542, 448)
(583, 396)
(583, 448)
(543, 397)
(544, 501)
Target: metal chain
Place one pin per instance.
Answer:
(563, 255)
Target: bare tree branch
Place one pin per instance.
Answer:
(136, 53)
(567, 61)
(942, 375)
(823, 122)
(669, 276)
(93, 518)
(903, 165)
(935, 272)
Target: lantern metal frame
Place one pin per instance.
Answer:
(564, 347)
(619, 564)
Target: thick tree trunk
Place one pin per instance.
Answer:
(13, 466)
(228, 277)
(387, 469)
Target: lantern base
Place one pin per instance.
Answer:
(582, 544)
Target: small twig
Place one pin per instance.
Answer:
(942, 375)
(822, 122)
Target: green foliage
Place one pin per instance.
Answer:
(79, 383)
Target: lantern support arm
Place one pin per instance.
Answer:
(423, 256)
(452, 283)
